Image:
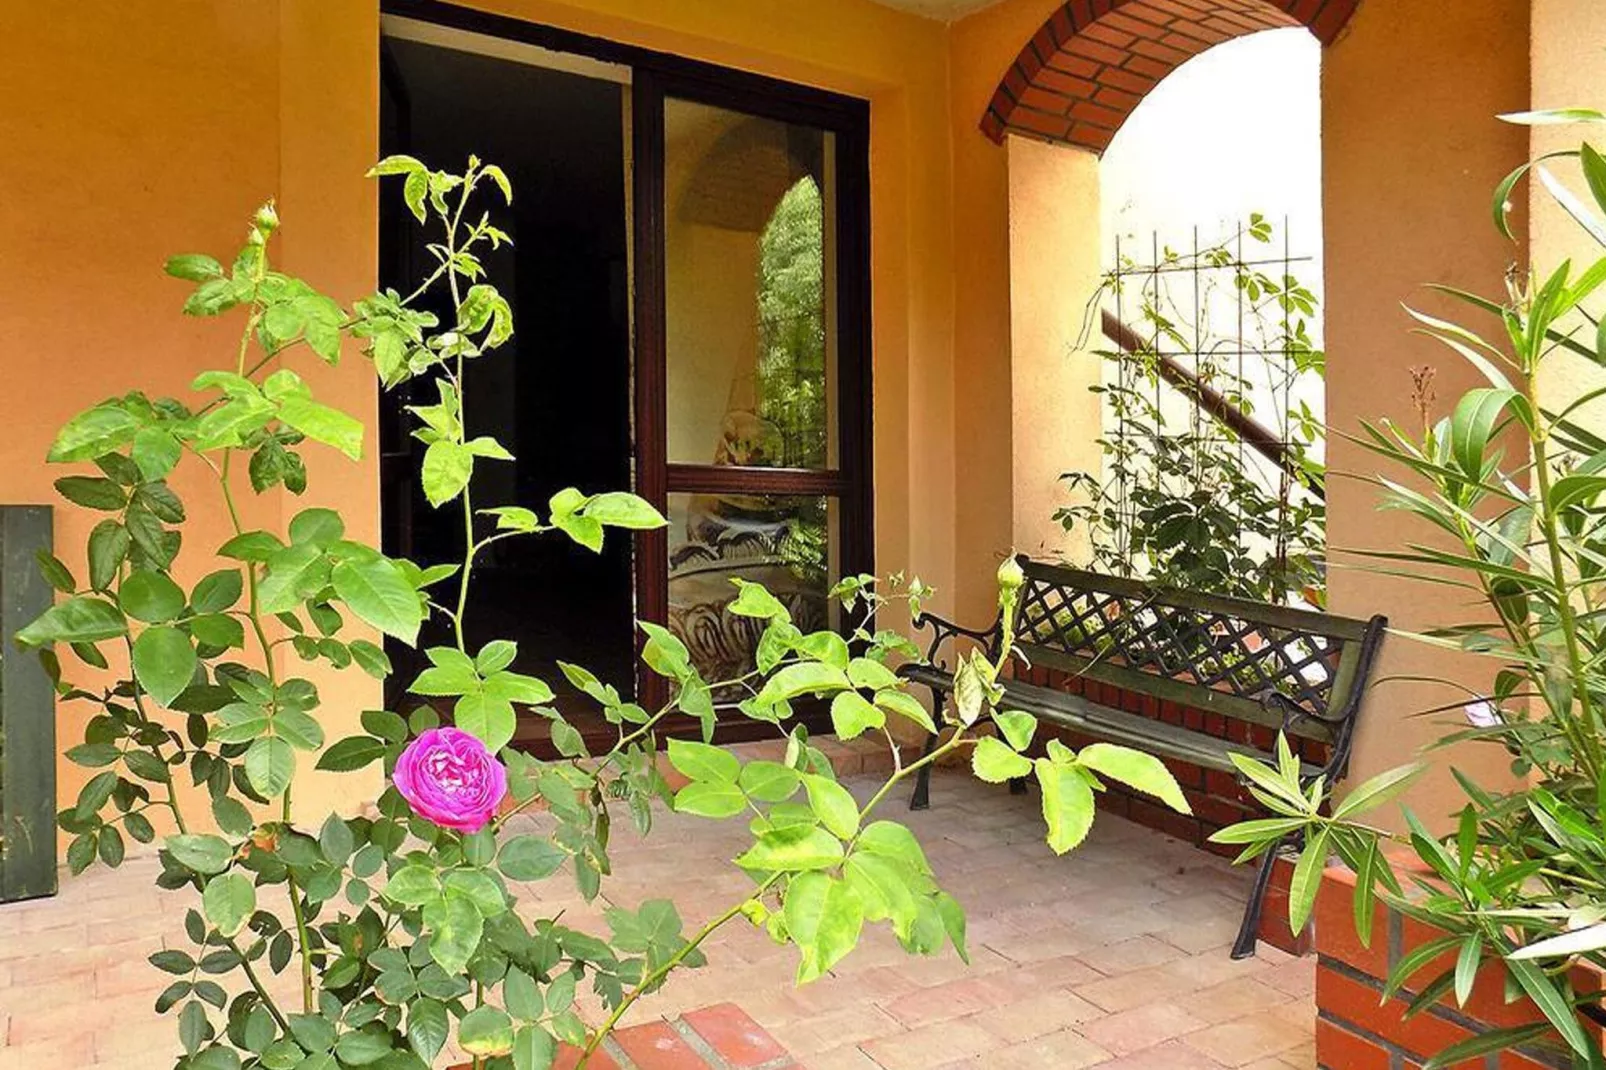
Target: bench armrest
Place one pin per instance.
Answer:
(943, 630)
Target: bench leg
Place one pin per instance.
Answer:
(921, 799)
(1248, 932)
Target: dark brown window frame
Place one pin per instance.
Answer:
(656, 76)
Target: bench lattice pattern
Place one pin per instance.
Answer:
(1213, 648)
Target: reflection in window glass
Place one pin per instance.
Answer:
(785, 543)
(748, 270)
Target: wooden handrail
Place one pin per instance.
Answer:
(1262, 439)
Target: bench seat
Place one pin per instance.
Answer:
(1116, 726)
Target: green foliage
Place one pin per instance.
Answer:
(1181, 499)
(402, 932)
(1508, 487)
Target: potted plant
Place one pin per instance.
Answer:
(1511, 483)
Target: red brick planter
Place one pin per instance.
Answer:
(1356, 1031)
(721, 1037)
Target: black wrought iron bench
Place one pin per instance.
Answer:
(1285, 669)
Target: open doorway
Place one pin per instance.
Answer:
(559, 395)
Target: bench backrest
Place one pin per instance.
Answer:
(1269, 665)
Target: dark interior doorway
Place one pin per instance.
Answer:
(559, 395)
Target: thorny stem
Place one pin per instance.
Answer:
(254, 615)
(657, 976)
(256, 983)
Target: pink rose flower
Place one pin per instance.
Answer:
(450, 778)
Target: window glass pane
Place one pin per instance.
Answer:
(786, 543)
(749, 270)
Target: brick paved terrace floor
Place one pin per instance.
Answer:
(1114, 956)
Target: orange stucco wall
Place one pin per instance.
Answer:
(136, 131)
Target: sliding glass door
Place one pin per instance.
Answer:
(744, 204)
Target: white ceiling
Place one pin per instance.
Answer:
(946, 10)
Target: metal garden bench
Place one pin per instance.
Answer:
(1285, 669)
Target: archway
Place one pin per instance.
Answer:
(1090, 64)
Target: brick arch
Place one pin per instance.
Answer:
(1081, 75)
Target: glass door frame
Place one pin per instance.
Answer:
(656, 76)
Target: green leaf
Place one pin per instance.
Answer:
(269, 765)
(352, 753)
(487, 718)
(362, 1048)
(1067, 804)
(994, 761)
(150, 596)
(769, 782)
(852, 715)
(664, 653)
(1486, 1043)
(108, 549)
(906, 705)
(448, 467)
(232, 816)
(427, 1028)
(1555, 1007)
(293, 574)
(803, 678)
(754, 600)
(377, 590)
(701, 762)
(1016, 727)
(205, 854)
(794, 848)
(833, 804)
(710, 799)
(824, 917)
(1378, 790)
(317, 527)
(156, 453)
(229, 901)
(1307, 879)
(323, 424)
(57, 574)
(217, 591)
(618, 509)
(455, 926)
(92, 433)
(370, 658)
(413, 885)
(534, 1049)
(251, 546)
(194, 267)
(80, 619)
(1137, 770)
(92, 492)
(530, 858)
(164, 662)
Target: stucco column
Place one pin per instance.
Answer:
(1411, 154)
(1053, 266)
(1568, 71)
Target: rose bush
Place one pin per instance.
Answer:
(401, 926)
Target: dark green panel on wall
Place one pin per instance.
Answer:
(27, 714)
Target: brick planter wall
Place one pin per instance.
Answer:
(1356, 1031)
